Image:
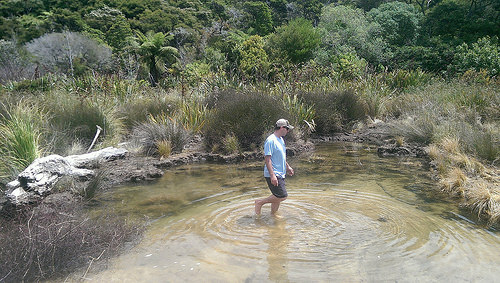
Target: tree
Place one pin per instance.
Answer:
(399, 22)
(481, 55)
(14, 62)
(154, 53)
(311, 9)
(112, 25)
(69, 52)
(463, 21)
(260, 20)
(295, 42)
(347, 30)
(253, 57)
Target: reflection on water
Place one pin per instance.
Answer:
(350, 216)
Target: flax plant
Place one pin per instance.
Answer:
(193, 114)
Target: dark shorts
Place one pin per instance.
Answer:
(278, 191)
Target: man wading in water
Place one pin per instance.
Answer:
(275, 167)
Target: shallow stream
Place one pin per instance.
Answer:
(350, 216)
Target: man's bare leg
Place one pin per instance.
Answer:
(273, 200)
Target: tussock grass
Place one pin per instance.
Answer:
(231, 144)
(137, 108)
(334, 110)
(75, 119)
(164, 148)
(454, 181)
(21, 139)
(160, 128)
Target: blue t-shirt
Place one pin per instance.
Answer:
(275, 147)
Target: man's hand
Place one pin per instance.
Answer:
(289, 170)
(274, 180)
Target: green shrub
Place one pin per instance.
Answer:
(41, 84)
(159, 129)
(248, 115)
(481, 55)
(334, 109)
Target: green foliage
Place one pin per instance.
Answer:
(434, 56)
(462, 20)
(310, 9)
(481, 55)
(253, 58)
(159, 129)
(347, 30)
(192, 115)
(402, 79)
(260, 20)
(348, 65)
(294, 42)
(248, 115)
(20, 138)
(154, 53)
(399, 22)
(112, 24)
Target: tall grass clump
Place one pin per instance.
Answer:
(249, 115)
(159, 131)
(138, 108)
(47, 244)
(335, 110)
(75, 119)
(301, 115)
(21, 142)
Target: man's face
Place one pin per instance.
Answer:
(284, 131)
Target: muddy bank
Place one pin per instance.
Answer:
(134, 167)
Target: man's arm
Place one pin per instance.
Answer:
(269, 165)
(289, 169)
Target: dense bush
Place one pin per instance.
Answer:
(246, 115)
(334, 109)
(399, 21)
(481, 55)
(347, 30)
